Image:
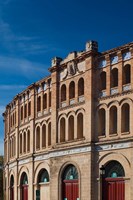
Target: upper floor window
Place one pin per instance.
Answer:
(63, 93)
(103, 80)
(45, 101)
(114, 77)
(38, 104)
(81, 87)
(72, 90)
(126, 74)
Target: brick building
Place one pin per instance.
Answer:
(69, 136)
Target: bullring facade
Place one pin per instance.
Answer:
(64, 130)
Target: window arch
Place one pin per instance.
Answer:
(71, 128)
(38, 104)
(125, 120)
(103, 80)
(24, 186)
(43, 176)
(81, 87)
(126, 74)
(44, 136)
(72, 90)
(114, 169)
(70, 173)
(63, 92)
(101, 122)
(49, 134)
(24, 179)
(113, 120)
(38, 138)
(62, 129)
(114, 77)
(45, 101)
(80, 126)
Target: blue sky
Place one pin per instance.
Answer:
(34, 31)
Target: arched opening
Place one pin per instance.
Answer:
(25, 111)
(63, 93)
(80, 127)
(50, 99)
(114, 77)
(103, 81)
(29, 108)
(22, 113)
(38, 138)
(72, 90)
(49, 134)
(70, 183)
(71, 128)
(101, 122)
(12, 188)
(43, 186)
(44, 136)
(38, 104)
(45, 101)
(62, 129)
(24, 186)
(113, 181)
(113, 120)
(126, 74)
(125, 118)
(28, 141)
(81, 87)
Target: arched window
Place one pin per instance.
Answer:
(80, 126)
(25, 111)
(103, 80)
(125, 120)
(28, 141)
(24, 186)
(62, 129)
(12, 188)
(72, 90)
(101, 122)
(81, 87)
(43, 176)
(114, 77)
(45, 101)
(29, 108)
(38, 104)
(113, 120)
(44, 136)
(49, 134)
(126, 74)
(38, 138)
(71, 128)
(114, 169)
(22, 113)
(70, 183)
(63, 93)
(50, 99)
(20, 143)
(24, 142)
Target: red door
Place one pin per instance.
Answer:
(24, 192)
(70, 190)
(114, 189)
(12, 193)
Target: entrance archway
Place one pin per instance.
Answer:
(70, 183)
(113, 182)
(24, 186)
(12, 188)
(43, 190)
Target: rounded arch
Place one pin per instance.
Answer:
(125, 117)
(43, 176)
(80, 125)
(24, 179)
(81, 110)
(22, 170)
(72, 90)
(63, 93)
(113, 103)
(71, 127)
(126, 100)
(80, 87)
(104, 106)
(62, 129)
(113, 113)
(71, 113)
(42, 165)
(117, 157)
(101, 121)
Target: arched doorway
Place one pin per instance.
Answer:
(24, 186)
(12, 188)
(113, 182)
(70, 183)
(43, 190)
